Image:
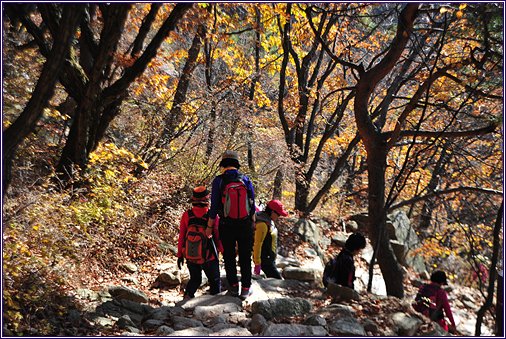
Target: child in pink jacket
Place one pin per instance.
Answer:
(200, 202)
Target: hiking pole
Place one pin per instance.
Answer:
(215, 252)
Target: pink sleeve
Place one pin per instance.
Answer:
(216, 235)
(182, 233)
(442, 298)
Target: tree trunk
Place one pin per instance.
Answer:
(390, 268)
(278, 185)
(24, 124)
(492, 273)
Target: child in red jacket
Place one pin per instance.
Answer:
(200, 202)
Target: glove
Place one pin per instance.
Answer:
(257, 269)
(180, 262)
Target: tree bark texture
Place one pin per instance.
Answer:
(25, 123)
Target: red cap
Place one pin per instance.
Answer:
(277, 206)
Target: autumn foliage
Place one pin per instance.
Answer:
(334, 108)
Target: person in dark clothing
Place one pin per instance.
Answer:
(341, 269)
(232, 233)
(265, 245)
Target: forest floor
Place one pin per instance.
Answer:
(465, 316)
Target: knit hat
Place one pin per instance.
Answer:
(200, 196)
(230, 158)
(439, 277)
(277, 207)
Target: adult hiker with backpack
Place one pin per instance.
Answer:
(233, 199)
(199, 249)
(266, 234)
(341, 269)
(432, 301)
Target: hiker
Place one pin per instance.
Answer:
(233, 189)
(204, 255)
(341, 269)
(431, 300)
(266, 234)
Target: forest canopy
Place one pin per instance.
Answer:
(334, 108)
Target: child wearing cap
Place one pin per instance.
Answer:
(200, 202)
(266, 234)
(431, 301)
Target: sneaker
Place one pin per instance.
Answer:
(246, 291)
(234, 290)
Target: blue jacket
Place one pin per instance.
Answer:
(216, 193)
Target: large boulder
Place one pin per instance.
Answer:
(282, 307)
(407, 325)
(405, 239)
(346, 326)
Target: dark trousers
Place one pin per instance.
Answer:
(212, 271)
(271, 271)
(242, 235)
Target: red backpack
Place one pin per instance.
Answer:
(236, 199)
(195, 246)
(426, 301)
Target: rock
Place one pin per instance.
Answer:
(300, 274)
(417, 282)
(164, 330)
(344, 292)
(136, 307)
(282, 307)
(314, 320)
(310, 252)
(129, 267)
(124, 322)
(170, 278)
(164, 312)
(337, 309)
(208, 300)
(407, 325)
(309, 232)
(370, 326)
(438, 331)
(346, 326)
(122, 292)
(181, 323)
(425, 275)
(103, 321)
(73, 316)
(339, 239)
(237, 317)
(468, 298)
(131, 280)
(352, 226)
(470, 305)
(360, 218)
(399, 250)
(191, 332)
(131, 332)
(203, 312)
(258, 324)
(400, 229)
(291, 330)
(233, 332)
(152, 323)
(282, 262)
(86, 294)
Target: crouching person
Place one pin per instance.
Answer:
(432, 301)
(200, 251)
(341, 269)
